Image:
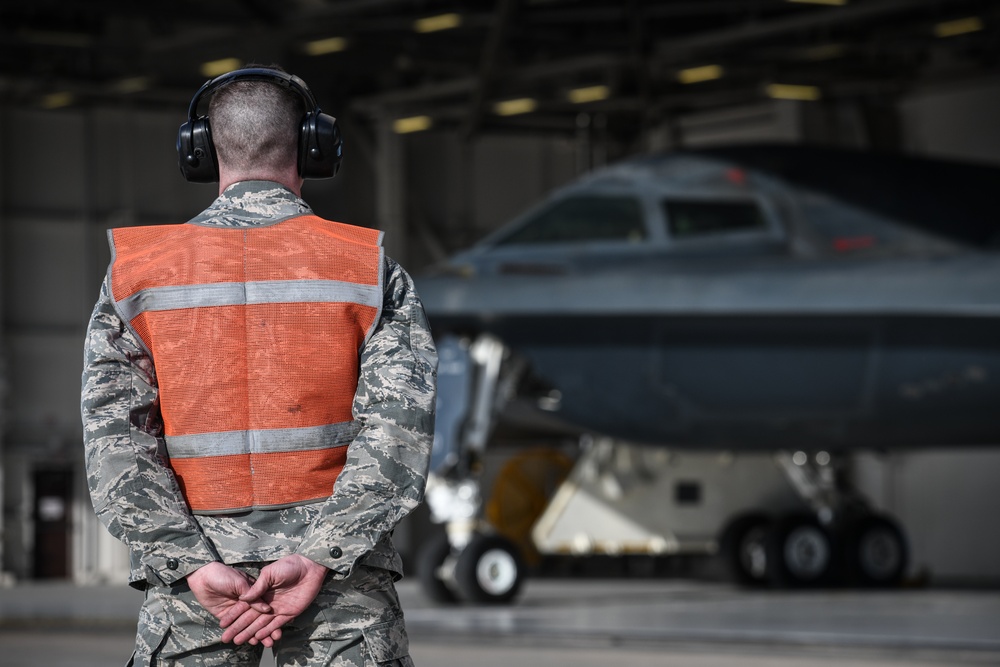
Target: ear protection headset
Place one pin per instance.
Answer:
(320, 146)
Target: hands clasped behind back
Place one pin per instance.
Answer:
(254, 611)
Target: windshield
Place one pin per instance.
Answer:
(584, 218)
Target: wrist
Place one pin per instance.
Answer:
(205, 570)
(309, 564)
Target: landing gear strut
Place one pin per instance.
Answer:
(469, 561)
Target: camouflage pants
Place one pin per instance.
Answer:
(352, 623)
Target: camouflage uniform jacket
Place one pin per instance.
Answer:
(137, 497)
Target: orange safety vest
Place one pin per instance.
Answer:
(255, 335)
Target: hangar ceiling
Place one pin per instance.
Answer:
(494, 65)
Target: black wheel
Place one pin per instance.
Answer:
(876, 551)
(743, 547)
(489, 570)
(430, 558)
(800, 552)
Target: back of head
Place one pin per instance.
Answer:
(255, 125)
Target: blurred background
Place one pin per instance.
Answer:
(458, 116)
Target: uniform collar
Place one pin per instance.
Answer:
(252, 203)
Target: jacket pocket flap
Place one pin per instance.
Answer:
(387, 641)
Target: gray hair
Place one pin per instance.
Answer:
(255, 125)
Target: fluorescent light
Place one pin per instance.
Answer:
(514, 107)
(439, 22)
(134, 84)
(214, 68)
(784, 91)
(831, 3)
(589, 94)
(958, 27)
(699, 74)
(320, 47)
(411, 124)
(57, 100)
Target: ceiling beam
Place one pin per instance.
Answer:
(681, 48)
(466, 85)
(488, 64)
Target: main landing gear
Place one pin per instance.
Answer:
(840, 541)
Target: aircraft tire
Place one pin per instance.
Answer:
(800, 552)
(876, 551)
(743, 546)
(489, 570)
(430, 556)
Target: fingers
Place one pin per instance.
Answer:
(260, 628)
(271, 631)
(241, 624)
(269, 640)
(234, 612)
(261, 586)
(260, 606)
(251, 626)
(237, 609)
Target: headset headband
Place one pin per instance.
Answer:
(274, 76)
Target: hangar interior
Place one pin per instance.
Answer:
(450, 130)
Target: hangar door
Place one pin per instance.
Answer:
(51, 519)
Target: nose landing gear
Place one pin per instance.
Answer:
(489, 570)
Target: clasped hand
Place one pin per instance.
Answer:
(254, 611)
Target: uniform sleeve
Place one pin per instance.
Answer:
(134, 491)
(386, 469)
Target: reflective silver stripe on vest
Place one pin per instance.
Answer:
(239, 294)
(259, 442)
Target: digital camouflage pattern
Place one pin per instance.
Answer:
(252, 203)
(365, 630)
(137, 497)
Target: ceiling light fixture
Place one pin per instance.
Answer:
(321, 47)
(958, 27)
(132, 84)
(411, 124)
(436, 23)
(589, 94)
(214, 68)
(699, 74)
(784, 91)
(515, 107)
(57, 100)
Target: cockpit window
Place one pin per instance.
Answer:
(591, 218)
(692, 218)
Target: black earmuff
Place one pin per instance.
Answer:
(320, 145)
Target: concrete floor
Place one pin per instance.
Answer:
(636, 611)
(73, 648)
(584, 623)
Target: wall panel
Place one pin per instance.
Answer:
(44, 160)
